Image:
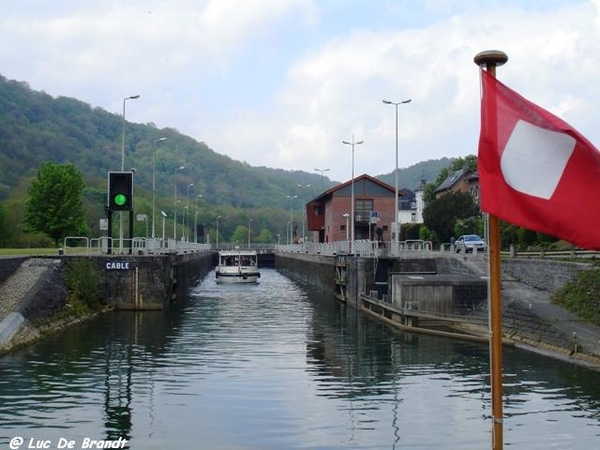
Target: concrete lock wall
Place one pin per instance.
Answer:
(138, 282)
(314, 270)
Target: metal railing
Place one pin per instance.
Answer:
(135, 246)
(362, 247)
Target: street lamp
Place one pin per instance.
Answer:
(249, 232)
(396, 220)
(132, 97)
(154, 182)
(186, 229)
(218, 217)
(303, 186)
(164, 216)
(291, 197)
(352, 143)
(175, 220)
(322, 170)
(346, 216)
(199, 196)
(175, 199)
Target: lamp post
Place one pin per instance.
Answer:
(164, 216)
(346, 216)
(303, 186)
(291, 197)
(175, 220)
(218, 217)
(249, 232)
(132, 97)
(288, 235)
(154, 183)
(186, 229)
(175, 200)
(396, 220)
(322, 170)
(352, 143)
(199, 196)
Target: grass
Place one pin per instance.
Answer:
(581, 296)
(28, 251)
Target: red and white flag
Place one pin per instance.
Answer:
(535, 170)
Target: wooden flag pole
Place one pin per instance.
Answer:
(491, 59)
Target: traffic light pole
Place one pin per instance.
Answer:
(109, 231)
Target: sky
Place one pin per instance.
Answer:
(282, 83)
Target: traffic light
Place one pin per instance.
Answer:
(120, 191)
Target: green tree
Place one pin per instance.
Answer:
(441, 214)
(55, 206)
(264, 237)
(240, 235)
(5, 232)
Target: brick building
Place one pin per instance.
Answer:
(328, 215)
(463, 180)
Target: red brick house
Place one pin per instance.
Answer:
(463, 180)
(325, 214)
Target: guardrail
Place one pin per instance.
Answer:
(136, 246)
(362, 247)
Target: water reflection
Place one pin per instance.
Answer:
(276, 366)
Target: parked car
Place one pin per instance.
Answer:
(469, 243)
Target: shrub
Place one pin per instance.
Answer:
(581, 296)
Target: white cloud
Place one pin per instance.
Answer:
(282, 83)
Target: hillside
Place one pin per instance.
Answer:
(36, 127)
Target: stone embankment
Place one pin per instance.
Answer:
(31, 289)
(532, 321)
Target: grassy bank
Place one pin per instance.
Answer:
(28, 251)
(581, 296)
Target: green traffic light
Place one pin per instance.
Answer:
(120, 199)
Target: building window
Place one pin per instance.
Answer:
(413, 217)
(362, 209)
(342, 227)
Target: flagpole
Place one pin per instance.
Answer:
(491, 59)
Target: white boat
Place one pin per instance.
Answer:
(237, 266)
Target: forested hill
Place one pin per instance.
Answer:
(36, 127)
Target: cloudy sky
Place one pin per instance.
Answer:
(281, 83)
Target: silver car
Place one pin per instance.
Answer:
(469, 243)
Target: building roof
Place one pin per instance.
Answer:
(330, 191)
(452, 179)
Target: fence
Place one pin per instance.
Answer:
(138, 246)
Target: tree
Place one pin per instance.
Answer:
(5, 233)
(55, 206)
(264, 237)
(240, 235)
(441, 214)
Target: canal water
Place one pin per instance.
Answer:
(279, 366)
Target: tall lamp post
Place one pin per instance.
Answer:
(175, 200)
(132, 97)
(164, 216)
(322, 170)
(346, 216)
(198, 197)
(154, 183)
(352, 144)
(303, 186)
(291, 197)
(186, 230)
(397, 234)
(249, 232)
(218, 217)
